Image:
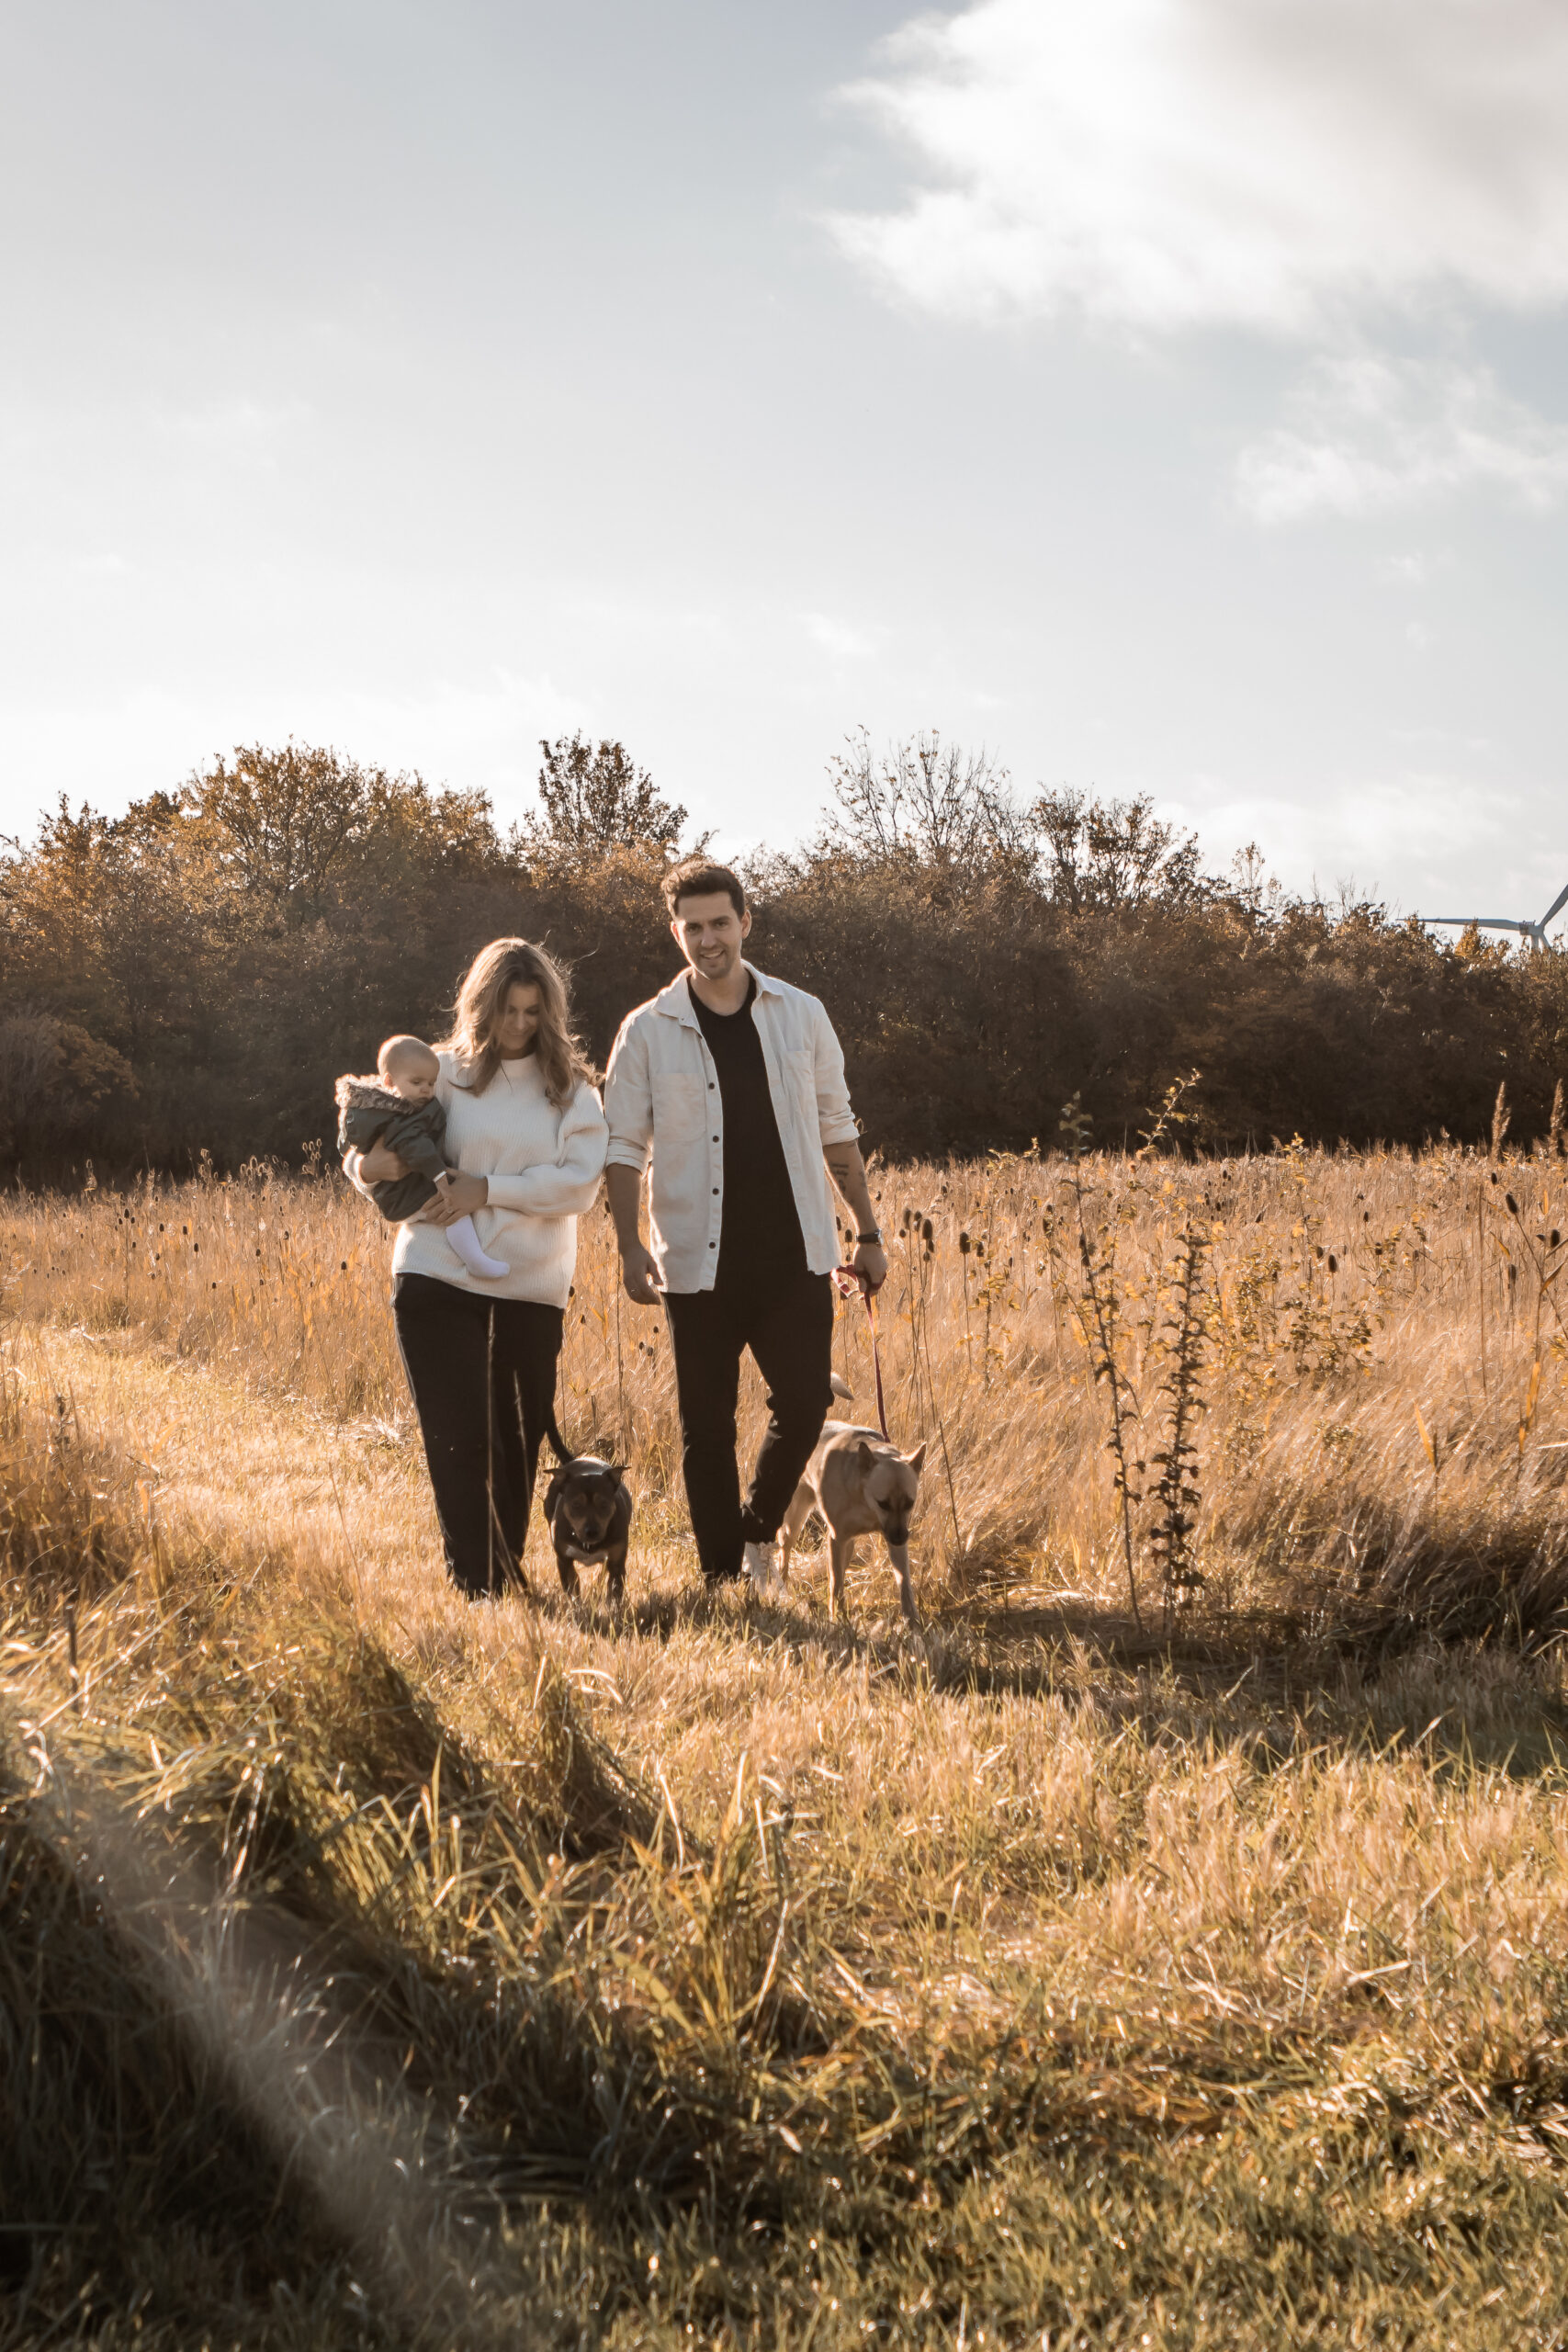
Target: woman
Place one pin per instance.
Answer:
(526, 1134)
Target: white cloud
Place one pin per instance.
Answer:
(1414, 835)
(238, 427)
(1406, 570)
(840, 638)
(1164, 165)
(1369, 435)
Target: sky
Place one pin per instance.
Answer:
(1168, 395)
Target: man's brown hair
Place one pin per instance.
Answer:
(699, 878)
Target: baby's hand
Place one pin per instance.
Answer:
(435, 1210)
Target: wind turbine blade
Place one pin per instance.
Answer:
(1485, 922)
(1561, 900)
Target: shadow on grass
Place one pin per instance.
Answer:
(1273, 1683)
(289, 2061)
(264, 2086)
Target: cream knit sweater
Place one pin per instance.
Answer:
(543, 1167)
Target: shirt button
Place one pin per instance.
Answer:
(716, 1191)
(716, 1138)
(710, 1086)
(713, 1245)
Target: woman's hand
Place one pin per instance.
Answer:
(381, 1165)
(458, 1196)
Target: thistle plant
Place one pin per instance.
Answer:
(1176, 1491)
(924, 1231)
(1101, 1332)
(919, 1236)
(1170, 1115)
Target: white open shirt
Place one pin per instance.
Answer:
(661, 1090)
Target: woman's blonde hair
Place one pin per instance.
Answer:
(476, 1018)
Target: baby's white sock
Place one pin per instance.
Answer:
(471, 1250)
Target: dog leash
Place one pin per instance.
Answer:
(849, 1280)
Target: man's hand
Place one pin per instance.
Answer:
(640, 1274)
(381, 1165)
(847, 1170)
(456, 1197)
(870, 1261)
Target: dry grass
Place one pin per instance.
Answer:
(376, 1969)
(1385, 1392)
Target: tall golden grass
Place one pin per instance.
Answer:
(1379, 1401)
(1182, 1962)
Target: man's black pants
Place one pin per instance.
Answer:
(788, 1326)
(482, 1375)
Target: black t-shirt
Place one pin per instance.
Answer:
(761, 1230)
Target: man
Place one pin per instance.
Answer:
(737, 1082)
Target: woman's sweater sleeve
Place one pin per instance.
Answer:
(568, 1184)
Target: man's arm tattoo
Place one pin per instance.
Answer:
(847, 1170)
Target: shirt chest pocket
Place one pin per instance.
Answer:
(678, 1113)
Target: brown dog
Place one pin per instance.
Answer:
(862, 1486)
(587, 1509)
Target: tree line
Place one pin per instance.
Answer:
(190, 977)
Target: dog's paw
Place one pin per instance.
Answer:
(762, 1570)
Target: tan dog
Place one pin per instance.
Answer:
(862, 1486)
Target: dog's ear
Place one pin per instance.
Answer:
(919, 1455)
(552, 1493)
(865, 1456)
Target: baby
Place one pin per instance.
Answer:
(398, 1107)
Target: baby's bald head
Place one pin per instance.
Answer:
(409, 1067)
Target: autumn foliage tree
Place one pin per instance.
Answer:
(594, 800)
(192, 974)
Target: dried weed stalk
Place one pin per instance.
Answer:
(1176, 1491)
(1104, 1301)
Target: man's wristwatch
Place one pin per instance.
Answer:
(874, 1235)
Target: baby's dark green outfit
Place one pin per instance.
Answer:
(370, 1113)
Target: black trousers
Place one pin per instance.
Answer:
(788, 1326)
(482, 1375)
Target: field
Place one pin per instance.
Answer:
(1167, 1945)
